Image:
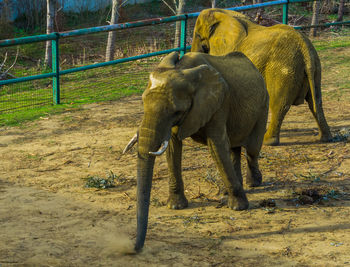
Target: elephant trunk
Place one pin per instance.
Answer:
(195, 46)
(200, 45)
(144, 184)
(150, 139)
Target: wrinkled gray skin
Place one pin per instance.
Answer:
(285, 57)
(218, 101)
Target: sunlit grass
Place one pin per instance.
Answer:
(31, 100)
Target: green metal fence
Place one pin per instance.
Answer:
(56, 74)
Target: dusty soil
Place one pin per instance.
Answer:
(299, 217)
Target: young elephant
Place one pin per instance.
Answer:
(286, 58)
(219, 101)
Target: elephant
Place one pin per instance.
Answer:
(219, 101)
(285, 57)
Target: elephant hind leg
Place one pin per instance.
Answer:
(220, 152)
(324, 131)
(253, 147)
(254, 176)
(278, 112)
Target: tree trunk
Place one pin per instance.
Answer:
(340, 10)
(49, 29)
(180, 6)
(112, 35)
(315, 15)
(36, 12)
(258, 16)
(5, 12)
(213, 3)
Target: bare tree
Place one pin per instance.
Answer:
(112, 35)
(5, 11)
(340, 10)
(4, 74)
(213, 3)
(259, 13)
(327, 6)
(315, 15)
(179, 9)
(36, 10)
(50, 19)
(31, 10)
(6, 29)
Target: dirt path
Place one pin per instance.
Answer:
(299, 217)
(48, 217)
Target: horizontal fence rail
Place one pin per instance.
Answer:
(322, 25)
(55, 38)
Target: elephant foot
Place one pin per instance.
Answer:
(326, 137)
(238, 202)
(254, 177)
(271, 141)
(177, 202)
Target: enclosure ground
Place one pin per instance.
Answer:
(299, 217)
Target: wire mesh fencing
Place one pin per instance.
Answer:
(115, 81)
(111, 82)
(22, 61)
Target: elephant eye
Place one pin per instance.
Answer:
(178, 117)
(205, 49)
(177, 113)
(212, 28)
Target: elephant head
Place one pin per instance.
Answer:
(179, 100)
(214, 24)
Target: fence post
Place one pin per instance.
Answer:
(285, 13)
(183, 36)
(56, 70)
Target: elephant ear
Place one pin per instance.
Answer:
(169, 61)
(209, 90)
(229, 32)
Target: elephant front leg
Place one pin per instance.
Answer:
(236, 159)
(220, 152)
(177, 199)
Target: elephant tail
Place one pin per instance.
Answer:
(313, 72)
(310, 77)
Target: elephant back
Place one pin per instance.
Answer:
(244, 80)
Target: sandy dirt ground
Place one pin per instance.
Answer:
(48, 217)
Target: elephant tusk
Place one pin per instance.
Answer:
(161, 150)
(131, 143)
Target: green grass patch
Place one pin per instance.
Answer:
(326, 44)
(19, 117)
(335, 68)
(111, 180)
(32, 100)
(323, 46)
